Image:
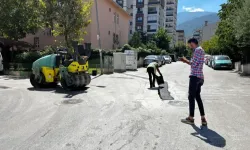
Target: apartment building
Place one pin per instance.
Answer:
(180, 36)
(150, 15)
(114, 28)
(171, 19)
(208, 31)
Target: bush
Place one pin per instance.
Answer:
(27, 57)
(126, 47)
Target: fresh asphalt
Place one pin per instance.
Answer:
(118, 111)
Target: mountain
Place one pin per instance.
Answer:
(187, 16)
(191, 25)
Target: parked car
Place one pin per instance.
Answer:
(207, 59)
(167, 59)
(162, 60)
(1, 62)
(210, 61)
(149, 59)
(221, 62)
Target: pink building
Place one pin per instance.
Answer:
(114, 28)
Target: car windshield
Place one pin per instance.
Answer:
(222, 58)
(150, 57)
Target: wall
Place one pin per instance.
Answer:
(209, 31)
(106, 21)
(245, 69)
(106, 10)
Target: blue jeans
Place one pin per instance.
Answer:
(195, 84)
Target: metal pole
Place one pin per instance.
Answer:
(99, 36)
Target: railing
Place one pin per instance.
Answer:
(152, 12)
(152, 21)
(151, 30)
(151, 2)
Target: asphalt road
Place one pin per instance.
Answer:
(119, 112)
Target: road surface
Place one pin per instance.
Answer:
(119, 112)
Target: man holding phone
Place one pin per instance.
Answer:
(195, 82)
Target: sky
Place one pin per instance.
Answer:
(200, 5)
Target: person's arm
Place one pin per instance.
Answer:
(184, 60)
(157, 68)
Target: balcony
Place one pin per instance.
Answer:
(152, 2)
(169, 14)
(152, 12)
(152, 21)
(169, 20)
(151, 30)
(170, 3)
(139, 12)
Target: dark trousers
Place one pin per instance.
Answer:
(151, 75)
(194, 93)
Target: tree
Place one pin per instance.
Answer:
(18, 18)
(136, 41)
(162, 39)
(180, 49)
(242, 25)
(227, 41)
(72, 17)
(212, 46)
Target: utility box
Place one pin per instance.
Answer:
(119, 62)
(131, 59)
(108, 66)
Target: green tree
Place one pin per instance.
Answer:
(212, 46)
(136, 41)
(227, 41)
(180, 49)
(162, 39)
(72, 18)
(18, 18)
(242, 25)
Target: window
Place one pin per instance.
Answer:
(139, 27)
(139, 9)
(130, 31)
(131, 14)
(139, 19)
(152, 27)
(152, 9)
(36, 42)
(109, 32)
(131, 23)
(140, 1)
(131, 6)
(109, 9)
(152, 18)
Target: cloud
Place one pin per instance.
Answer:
(192, 9)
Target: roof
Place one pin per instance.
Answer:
(9, 42)
(119, 7)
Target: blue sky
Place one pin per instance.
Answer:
(199, 5)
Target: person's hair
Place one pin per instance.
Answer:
(193, 40)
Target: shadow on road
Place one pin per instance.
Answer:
(60, 90)
(209, 136)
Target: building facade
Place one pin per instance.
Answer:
(171, 19)
(150, 15)
(114, 28)
(180, 36)
(208, 31)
